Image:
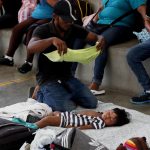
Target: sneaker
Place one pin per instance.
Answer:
(143, 99)
(26, 67)
(6, 61)
(99, 92)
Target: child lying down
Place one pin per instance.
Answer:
(83, 120)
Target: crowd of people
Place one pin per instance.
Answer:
(52, 26)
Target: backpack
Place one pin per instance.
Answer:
(75, 139)
(13, 135)
(82, 8)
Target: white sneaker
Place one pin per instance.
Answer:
(95, 92)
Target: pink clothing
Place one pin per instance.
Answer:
(26, 9)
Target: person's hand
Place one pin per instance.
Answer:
(147, 24)
(60, 45)
(100, 43)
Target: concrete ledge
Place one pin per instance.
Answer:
(118, 75)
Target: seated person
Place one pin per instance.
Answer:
(41, 14)
(111, 11)
(58, 88)
(84, 120)
(135, 56)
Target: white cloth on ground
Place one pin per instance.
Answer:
(111, 137)
(23, 109)
(43, 137)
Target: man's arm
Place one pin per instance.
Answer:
(142, 10)
(100, 39)
(37, 45)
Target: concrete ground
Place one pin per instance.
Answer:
(14, 88)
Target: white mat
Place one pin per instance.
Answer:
(111, 137)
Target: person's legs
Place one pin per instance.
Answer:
(113, 35)
(27, 66)
(135, 56)
(16, 37)
(81, 95)
(56, 96)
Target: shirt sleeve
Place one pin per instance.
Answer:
(136, 3)
(41, 31)
(98, 123)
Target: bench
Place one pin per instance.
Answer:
(118, 75)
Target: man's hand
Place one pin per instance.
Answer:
(147, 23)
(60, 45)
(101, 42)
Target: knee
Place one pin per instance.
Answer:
(91, 105)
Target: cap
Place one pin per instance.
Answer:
(63, 8)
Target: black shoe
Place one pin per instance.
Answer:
(26, 67)
(143, 99)
(6, 61)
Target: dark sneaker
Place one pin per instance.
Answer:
(6, 61)
(143, 99)
(26, 67)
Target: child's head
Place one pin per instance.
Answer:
(115, 117)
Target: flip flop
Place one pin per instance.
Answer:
(95, 92)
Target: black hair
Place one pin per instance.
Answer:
(122, 117)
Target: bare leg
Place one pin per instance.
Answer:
(17, 34)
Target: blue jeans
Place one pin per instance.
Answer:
(66, 95)
(135, 56)
(113, 35)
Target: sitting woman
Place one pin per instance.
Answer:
(41, 14)
(118, 33)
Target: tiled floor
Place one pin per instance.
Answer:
(14, 88)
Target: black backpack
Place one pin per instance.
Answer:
(82, 8)
(12, 135)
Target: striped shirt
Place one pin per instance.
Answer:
(77, 120)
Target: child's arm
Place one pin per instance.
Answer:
(49, 121)
(86, 127)
(81, 127)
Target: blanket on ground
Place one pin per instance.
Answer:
(111, 137)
